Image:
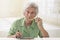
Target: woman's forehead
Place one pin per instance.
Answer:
(30, 9)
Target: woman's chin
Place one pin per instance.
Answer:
(30, 19)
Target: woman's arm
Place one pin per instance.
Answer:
(44, 32)
(17, 35)
(12, 36)
(40, 26)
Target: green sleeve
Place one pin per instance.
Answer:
(13, 29)
(40, 34)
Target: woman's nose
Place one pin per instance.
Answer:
(29, 14)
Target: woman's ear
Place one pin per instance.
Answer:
(24, 13)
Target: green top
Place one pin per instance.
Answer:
(32, 31)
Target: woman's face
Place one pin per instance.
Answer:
(30, 13)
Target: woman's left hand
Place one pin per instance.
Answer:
(39, 22)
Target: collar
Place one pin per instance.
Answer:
(23, 20)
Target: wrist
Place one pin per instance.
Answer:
(41, 28)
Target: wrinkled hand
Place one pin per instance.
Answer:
(18, 35)
(39, 22)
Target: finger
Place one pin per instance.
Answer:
(18, 33)
(37, 19)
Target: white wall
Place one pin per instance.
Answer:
(11, 8)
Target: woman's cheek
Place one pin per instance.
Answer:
(26, 14)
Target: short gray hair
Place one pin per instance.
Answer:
(33, 5)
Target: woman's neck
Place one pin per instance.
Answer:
(28, 22)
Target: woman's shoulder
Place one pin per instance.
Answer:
(18, 20)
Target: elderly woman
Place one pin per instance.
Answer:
(29, 26)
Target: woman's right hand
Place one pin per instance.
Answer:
(18, 35)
